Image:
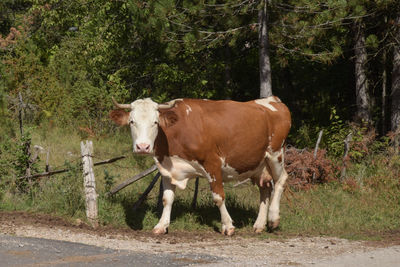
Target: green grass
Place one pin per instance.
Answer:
(363, 206)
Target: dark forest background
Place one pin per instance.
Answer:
(330, 61)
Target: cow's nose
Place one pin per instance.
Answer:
(143, 147)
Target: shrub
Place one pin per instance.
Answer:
(304, 170)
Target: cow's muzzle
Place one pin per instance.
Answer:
(142, 148)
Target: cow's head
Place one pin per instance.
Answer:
(143, 119)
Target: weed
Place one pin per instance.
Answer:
(109, 180)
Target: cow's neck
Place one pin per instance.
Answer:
(161, 145)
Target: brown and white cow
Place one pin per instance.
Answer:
(219, 140)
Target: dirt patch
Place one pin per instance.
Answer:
(239, 249)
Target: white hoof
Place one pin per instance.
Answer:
(160, 230)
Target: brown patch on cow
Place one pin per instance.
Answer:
(280, 158)
(266, 177)
(120, 116)
(168, 118)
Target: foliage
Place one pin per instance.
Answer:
(15, 158)
(109, 180)
(68, 58)
(7, 154)
(304, 170)
(337, 133)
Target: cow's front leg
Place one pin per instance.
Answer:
(218, 194)
(219, 200)
(168, 199)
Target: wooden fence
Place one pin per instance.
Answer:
(89, 181)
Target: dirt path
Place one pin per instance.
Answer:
(239, 250)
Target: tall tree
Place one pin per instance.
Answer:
(360, 65)
(395, 93)
(265, 64)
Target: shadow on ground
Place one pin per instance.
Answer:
(207, 214)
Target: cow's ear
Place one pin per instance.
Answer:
(120, 116)
(168, 118)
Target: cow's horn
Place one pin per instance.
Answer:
(128, 106)
(169, 104)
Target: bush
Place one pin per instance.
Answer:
(304, 170)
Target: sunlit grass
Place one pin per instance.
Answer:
(365, 204)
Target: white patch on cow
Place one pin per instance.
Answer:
(188, 109)
(230, 174)
(266, 102)
(273, 155)
(217, 198)
(180, 170)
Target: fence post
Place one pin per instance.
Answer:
(89, 182)
(316, 151)
(47, 160)
(347, 141)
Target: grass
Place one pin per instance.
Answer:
(366, 204)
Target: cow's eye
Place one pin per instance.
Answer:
(132, 122)
(156, 122)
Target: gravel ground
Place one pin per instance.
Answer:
(238, 250)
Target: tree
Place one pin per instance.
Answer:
(360, 64)
(395, 93)
(263, 41)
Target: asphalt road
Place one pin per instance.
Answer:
(24, 251)
(30, 251)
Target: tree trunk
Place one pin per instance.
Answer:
(265, 65)
(395, 94)
(362, 96)
(384, 94)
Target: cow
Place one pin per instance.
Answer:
(219, 140)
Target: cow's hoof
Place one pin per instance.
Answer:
(258, 230)
(273, 225)
(160, 231)
(229, 232)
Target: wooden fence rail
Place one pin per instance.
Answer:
(132, 180)
(90, 183)
(48, 173)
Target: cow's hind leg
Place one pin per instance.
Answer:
(168, 199)
(276, 163)
(265, 194)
